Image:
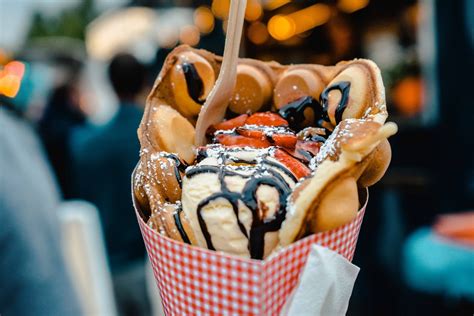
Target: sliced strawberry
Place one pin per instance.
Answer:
(295, 166)
(266, 119)
(252, 133)
(242, 141)
(301, 155)
(304, 150)
(285, 140)
(309, 146)
(232, 123)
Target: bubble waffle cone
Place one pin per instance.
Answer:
(287, 167)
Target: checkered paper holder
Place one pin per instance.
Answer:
(198, 281)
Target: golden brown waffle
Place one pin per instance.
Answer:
(355, 156)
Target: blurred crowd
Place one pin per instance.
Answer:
(67, 157)
(64, 147)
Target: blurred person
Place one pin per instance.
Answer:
(104, 158)
(62, 114)
(33, 273)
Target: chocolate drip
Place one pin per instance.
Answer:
(248, 197)
(308, 156)
(281, 168)
(232, 197)
(294, 112)
(202, 169)
(318, 138)
(193, 82)
(239, 160)
(201, 154)
(177, 168)
(179, 225)
(344, 87)
(261, 226)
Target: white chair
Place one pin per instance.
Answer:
(84, 249)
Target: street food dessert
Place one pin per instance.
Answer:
(293, 156)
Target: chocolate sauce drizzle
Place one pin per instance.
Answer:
(281, 168)
(294, 112)
(179, 225)
(178, 167)
(305, 154)
(344, 87)
(259, 226)
(202, 154)
(193, 82)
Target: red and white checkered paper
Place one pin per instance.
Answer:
(198, 281)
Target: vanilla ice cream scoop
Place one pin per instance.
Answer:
(235, 200)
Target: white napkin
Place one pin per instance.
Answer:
(325, 286)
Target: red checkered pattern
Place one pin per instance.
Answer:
(198, 281)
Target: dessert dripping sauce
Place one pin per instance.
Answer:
(266, 169)
(179, 224)
(178, 167)
(344, 88)
(264, 175)
(293, 112)
(193, 82)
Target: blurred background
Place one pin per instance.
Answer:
(68, 142)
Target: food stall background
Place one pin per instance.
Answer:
(424, 49)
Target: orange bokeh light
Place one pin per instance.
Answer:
(253, 11)
(220, 8)
(310, 17)
(281, 27)
(407, 95)
(275, 4)
(10, 78)
(257, 33)
(204, 19)
(350, 6)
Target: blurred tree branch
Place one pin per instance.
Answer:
(70, 22)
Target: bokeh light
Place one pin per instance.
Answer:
(204, 19)
(257, 33)
(10, 78)
(407, 95)
(310, 17)
(275, 4)
(117, 30)
(220, 8)
(253, 11)
(189, 35)
(281, 27)
(350, 6)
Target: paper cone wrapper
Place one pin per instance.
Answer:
(198, 281)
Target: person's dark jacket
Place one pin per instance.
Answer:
(103, 160)
(60, 118)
